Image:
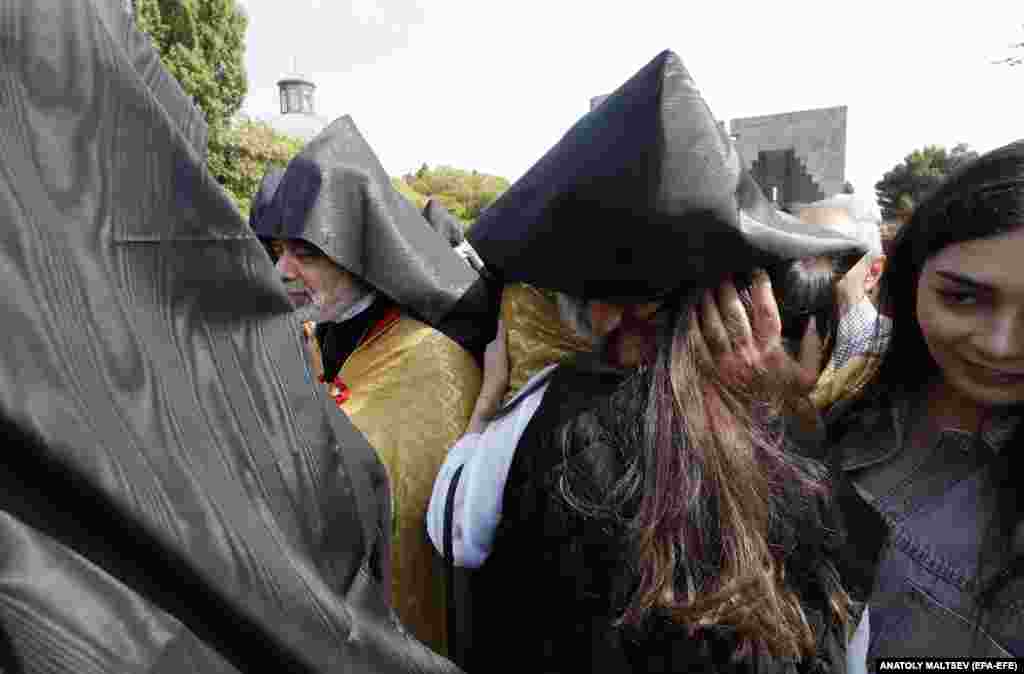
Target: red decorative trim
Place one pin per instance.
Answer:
(337, 388)
(339, 391)
(389, 319)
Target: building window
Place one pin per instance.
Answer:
(294, 104)
(307, 99)
(284, 101)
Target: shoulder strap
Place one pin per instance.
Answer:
(449, 561)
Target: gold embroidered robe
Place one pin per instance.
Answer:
(411, 392)
(846, 382)
(537, 336)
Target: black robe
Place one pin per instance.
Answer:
(338, 340)
(177, 494)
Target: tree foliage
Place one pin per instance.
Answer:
(464, 193)
(920, 172)
(251, 148)
(202, 44)
(419, 200)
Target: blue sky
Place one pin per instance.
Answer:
(492, 85)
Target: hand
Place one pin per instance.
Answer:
(744, 347)
(495, 379)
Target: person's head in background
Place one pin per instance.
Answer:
(860, 219)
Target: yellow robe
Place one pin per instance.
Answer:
(846, 382)
(537, 336)
(411, 393)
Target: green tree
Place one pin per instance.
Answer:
(921, 171)
(464, 193)
(419, 200)
(253, 148)
(202, 44)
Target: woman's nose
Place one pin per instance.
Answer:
(1004, 341)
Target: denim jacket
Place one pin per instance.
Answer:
(938, 503)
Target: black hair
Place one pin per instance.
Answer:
(983, 199)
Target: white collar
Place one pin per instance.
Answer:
(339, 312)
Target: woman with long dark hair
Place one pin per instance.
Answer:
(633, 510)
(935, 439)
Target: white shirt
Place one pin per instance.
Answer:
(486, 458)
(857, 648)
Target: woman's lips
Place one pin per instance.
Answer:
(998, 376)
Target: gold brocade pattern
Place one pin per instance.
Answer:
(844, 383)
(412, 391)
(537, 336)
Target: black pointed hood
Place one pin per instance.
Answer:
(643, 196)
(259, 210)
(178, 494)
(336, 195)
(443, 222)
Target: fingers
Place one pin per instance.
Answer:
(734, 316)
(809, 359)
(767, 324)
(716, 336)
(703, 353)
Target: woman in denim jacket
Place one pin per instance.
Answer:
(934, 440)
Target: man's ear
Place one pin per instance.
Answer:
(874, 273)
(604, 317)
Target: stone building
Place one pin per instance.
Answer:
(798, 157)
(298, 117)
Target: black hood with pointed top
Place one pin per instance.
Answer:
(336, 195)
(443, 222)
(643, 196)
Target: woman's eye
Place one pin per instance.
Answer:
(959, 297)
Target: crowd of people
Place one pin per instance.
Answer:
(637, 419)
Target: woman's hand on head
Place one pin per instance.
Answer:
(744, 346)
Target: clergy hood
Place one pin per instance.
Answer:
(176, 493)
(443, 222)
(264, 197)
(336, 195)
(645, 195)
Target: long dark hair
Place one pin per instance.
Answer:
(712, 485)
(983, 199)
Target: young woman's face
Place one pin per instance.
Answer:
(970, 306)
